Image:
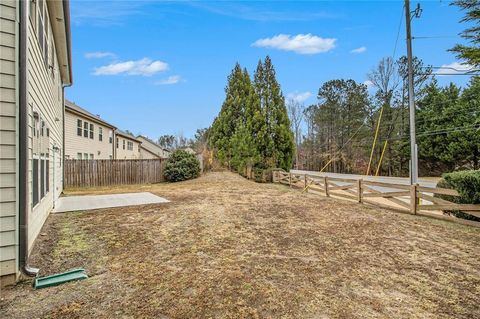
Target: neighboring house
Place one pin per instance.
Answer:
(87, 136)
(149, 149)
(126, 146)
(35, 64)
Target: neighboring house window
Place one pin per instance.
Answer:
(100, 134)
(117, 142)
(130, 146)
(79, 127)
(110, 137)
(123, 144)
(79, 156)
(85, 129)
(85, 156)
(91, 131)
(91, 156)
(110, 156)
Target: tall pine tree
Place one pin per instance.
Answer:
(275, 139)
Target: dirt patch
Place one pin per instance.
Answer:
(225, 247)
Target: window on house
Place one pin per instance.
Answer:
(85, 129)
(79, 156)
(54, 58)
(130, 146)
(91, 156)
(85, 156)
(100, 134)
(47, 175)
(33, 13)
(110, 137)
(123, 144)
(117, 142)
(40, 159)
(91, 131)
(79, 127)
(35, 181)
(45, 42)
(42, 29)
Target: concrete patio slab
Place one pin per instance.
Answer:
(88, 202)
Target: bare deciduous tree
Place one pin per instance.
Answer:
(296, 112)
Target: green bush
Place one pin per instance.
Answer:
(467, 184)
(181, 166)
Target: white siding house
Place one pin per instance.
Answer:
(35, 66)
(87, 136)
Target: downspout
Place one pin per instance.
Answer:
(66, 10)
(23, 186)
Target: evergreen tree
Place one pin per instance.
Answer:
(471, 54)
(276, 140)
(231, 115)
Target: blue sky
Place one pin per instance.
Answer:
(160, 67)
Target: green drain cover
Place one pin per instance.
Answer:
(58, 279)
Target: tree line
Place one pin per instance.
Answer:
(356, 130)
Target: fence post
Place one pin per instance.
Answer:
(413, 199)
(360, 190)
(325, 181)
(305, 187)
(290, 178)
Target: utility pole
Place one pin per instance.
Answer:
(411, 96)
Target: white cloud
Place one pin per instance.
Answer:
(174, 79)
(369, 84)
(300, 43)
(145, 67)
(454, 68)
(99, 55)
(358, 50)
(299, 97)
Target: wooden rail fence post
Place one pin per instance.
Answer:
(290, 179)
(413, 199)
(305, 187)
(360, 190)
(325, 181)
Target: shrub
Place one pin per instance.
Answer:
(181, 166)
(467, 184)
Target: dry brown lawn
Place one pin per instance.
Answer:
(226, 247)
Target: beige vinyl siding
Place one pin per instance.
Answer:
(44, 97)
(79, 144)
(145, 154)
(125, 153)
(8, 141)
(152, 147)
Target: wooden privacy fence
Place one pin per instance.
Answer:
(414, 199)
(90, 173)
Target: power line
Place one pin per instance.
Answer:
(398, 33)
(435, 37)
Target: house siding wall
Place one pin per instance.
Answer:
(8, 141)
(144, 154)
(45, 96)
(125, 153)
(153, 147)
(79, 144)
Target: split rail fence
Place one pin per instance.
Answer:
(91, 173)
(414, 199)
